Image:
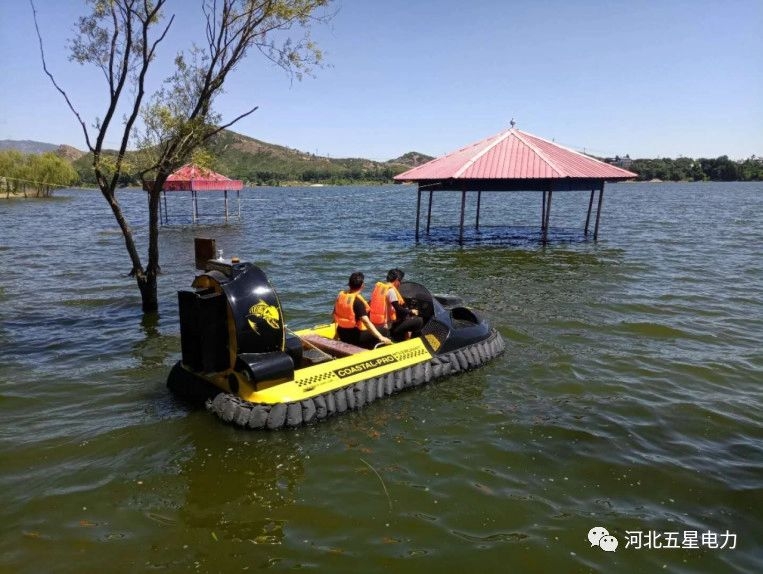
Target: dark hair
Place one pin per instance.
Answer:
(356, 280)
(394, 274)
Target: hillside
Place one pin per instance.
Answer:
(28, 146)
(411, 159)
(63, 151)
(69, 153)
(257, 162)
(261, 163)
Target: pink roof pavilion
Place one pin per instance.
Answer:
(514, 160)
(194, 178)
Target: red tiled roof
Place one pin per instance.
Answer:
(514, 155)
(191, 177)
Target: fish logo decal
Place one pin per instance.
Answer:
(433, 341)
(268, 314)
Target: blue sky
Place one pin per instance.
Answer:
(653, 78)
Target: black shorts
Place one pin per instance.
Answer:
(412, 324)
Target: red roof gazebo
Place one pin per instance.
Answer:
(514, 160)
(194, 178)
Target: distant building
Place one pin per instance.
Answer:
(623, 162)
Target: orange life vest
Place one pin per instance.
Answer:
(382, 311)
(344, 314)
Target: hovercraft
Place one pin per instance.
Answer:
(240, 360)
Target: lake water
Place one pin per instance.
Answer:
(630, 396)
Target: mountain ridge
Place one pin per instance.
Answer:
(256, 162)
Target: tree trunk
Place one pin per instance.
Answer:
(148, 285)
(148, 291)
(146, 279)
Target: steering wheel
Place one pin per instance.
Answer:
(423, 308)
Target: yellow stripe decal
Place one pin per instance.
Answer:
(338, 373)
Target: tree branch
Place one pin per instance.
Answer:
(218, 129)
(53, 80)
(147, 54)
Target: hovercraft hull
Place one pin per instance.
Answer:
(240, 363)
(326, 390)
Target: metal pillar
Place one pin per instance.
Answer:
(588, 217)
(238, 200)
(418, 210)
(548, 215)
(543, 212)
(598, 213)
(429, 211)
(226, 205)
(195, 207)
(479, 201)
(463, 209)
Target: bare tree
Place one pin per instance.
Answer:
(121, 39)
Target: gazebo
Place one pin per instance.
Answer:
(514, 160)
(193, 178)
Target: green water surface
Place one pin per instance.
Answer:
(629, 396)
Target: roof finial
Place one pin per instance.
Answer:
(512, 123)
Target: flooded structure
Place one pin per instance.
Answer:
(514, 160)
(195, 179)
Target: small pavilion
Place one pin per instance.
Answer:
(514, 160)
(194, 178)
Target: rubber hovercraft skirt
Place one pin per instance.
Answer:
(240, 412)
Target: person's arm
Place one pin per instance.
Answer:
(371, 327)
(403, 312)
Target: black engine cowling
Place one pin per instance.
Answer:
(233, 310)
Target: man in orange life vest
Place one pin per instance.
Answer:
(351, 316)
(388, 312)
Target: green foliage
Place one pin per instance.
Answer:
(40, 173)
(704, 169)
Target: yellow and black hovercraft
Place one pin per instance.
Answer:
(239, 361)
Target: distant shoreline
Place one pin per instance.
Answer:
(20, 197)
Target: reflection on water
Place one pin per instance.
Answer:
(495, 235)
(628, 396)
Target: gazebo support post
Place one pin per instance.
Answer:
(429, 210)
(598, 213)
(238, 200)
(543, 211)
(588, 217)
(479, 202)
(548, 215)
(195, 206)
(463, 209)
(226, 205)
(418, 210)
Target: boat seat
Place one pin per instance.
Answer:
(332, 346)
